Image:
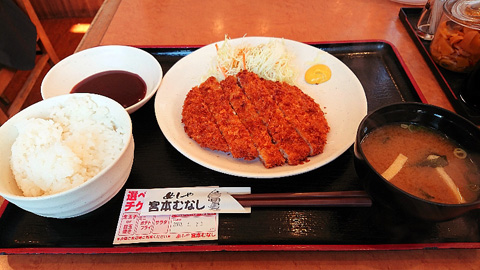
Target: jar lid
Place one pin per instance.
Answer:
(464, 12)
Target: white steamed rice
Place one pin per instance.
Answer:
(75, 143)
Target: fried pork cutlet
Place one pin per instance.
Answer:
(232, 129)
(291, 144)
(269, 153)
(251, 117)
(199, 123)
(303, 113)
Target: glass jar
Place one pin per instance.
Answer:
(429, 19)
(456, 44)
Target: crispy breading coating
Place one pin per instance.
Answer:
(303, 113)
(199, 123)
(292, 145)
(251, 117)
(232, 129)
(269, 153)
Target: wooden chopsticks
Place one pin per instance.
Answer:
(307, 199)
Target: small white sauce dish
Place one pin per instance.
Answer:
(73, 69)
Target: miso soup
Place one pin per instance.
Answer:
(423, 162)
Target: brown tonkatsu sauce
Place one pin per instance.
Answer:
(122, 86)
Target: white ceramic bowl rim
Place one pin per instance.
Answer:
(102, 172)
(78, 60)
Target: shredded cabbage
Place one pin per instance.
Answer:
(270, 61)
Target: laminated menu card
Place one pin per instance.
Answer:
(174, 214)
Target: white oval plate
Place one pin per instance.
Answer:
(342, 98)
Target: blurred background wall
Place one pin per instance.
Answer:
(53, 9)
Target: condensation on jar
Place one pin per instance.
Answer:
(456, 45)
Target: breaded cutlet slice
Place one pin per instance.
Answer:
(232, 129)
(269, 153)
(291, 144)
(199, 123)
(303, 113)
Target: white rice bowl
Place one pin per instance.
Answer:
(74, 144)
(67, 155)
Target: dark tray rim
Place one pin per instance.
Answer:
(209, 246)
(445, 85)
(423, 50)
(313, 43)
(236, 248)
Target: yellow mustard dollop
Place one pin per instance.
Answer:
(317, 74)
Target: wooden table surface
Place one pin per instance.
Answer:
(193, 22)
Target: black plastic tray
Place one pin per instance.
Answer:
(157, 164)
(450, 82)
